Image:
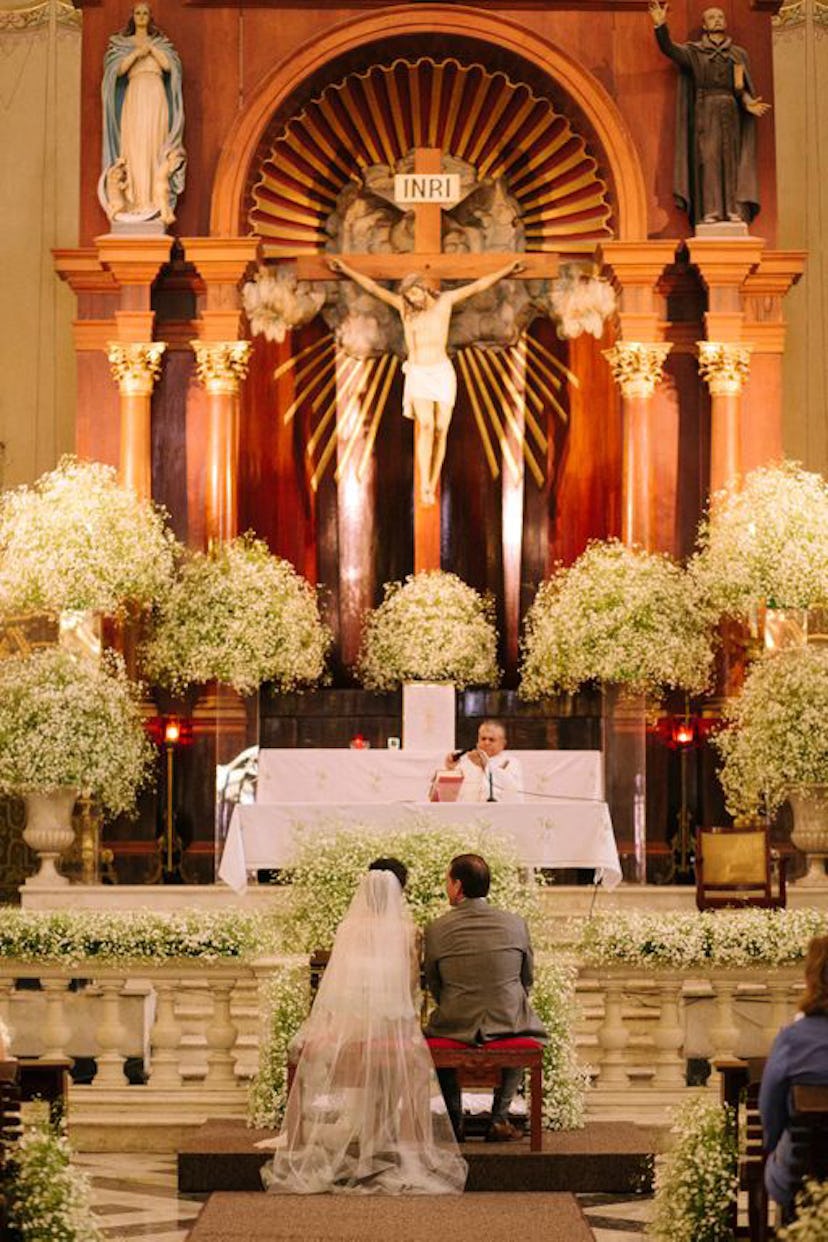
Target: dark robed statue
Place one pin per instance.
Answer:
(714, 175)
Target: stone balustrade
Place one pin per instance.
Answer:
(195, 1031)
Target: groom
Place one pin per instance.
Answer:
(479, 969)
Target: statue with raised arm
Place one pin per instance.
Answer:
(144, 162)
(430, 387)
(714, 175)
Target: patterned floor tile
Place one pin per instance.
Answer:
(135, 1196)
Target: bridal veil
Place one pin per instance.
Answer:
(359, 1117)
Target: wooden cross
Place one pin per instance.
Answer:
(427, 256)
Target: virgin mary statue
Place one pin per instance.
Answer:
(143, 123)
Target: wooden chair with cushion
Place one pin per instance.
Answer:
(734, 868)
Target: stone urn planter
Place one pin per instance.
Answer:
(809, 804)
(49, 832)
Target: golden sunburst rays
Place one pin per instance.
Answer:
(346, 399)
(511, 394)
(500, 127)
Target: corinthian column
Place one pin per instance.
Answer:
(135, 368)
(221, 365)
(724, 366)
(637, 369)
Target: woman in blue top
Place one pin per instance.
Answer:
(799, 1055)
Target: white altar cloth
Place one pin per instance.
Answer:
(560, 832)
(363, 776)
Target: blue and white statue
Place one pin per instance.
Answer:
(144, 160)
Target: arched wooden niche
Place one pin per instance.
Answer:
(401, 34)
(375, 118)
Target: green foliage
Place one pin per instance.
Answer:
(283, 1005)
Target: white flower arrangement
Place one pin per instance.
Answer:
(330, 864)
(76, 540)
(238, 615)
(765, 544)
(83, 937)
(46, 1197)
(565, 1080)
(618, 615)
(733, 939)
(66, 722)
(285, 1000)
(776, 734)
(432, 627)
(696, 1181)
(811, 1221)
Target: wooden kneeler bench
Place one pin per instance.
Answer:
(479, 1065)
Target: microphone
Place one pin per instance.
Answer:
(458, 754)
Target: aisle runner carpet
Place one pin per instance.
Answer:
(239, 1217)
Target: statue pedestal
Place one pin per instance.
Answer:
(732, 230)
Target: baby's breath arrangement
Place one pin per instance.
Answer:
(86, 937)
(329, 866)
(432, 627)
(777, 734)
(284, 1002)
(76, 539)
(617, 615)
(732, 939)
(767, 543)
(46, 1197)
(565, 1081)
(66, 722)
(696, 1181)
(811, 1221)
(241, 616)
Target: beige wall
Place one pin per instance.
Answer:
(39, 153)
(801, 88)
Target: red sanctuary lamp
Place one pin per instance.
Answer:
(684, 732)
(169, 732)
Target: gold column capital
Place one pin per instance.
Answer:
(222, 365)
(135, 365)
(724, 365)
(637, 367)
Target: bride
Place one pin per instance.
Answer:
(359, 1115)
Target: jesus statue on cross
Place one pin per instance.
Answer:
(430, 382)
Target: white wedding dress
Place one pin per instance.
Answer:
(359, 1117)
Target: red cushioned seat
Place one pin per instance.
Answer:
(514, 1041)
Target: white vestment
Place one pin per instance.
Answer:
(436, 381)
(501, 781)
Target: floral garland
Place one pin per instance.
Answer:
(79, 937)
(696, 1182)
(726, 939)
(617, 615)
(811, 1221)
(45, 1196)
(777, 735)
(77, 540)
(433, 627)
(767, 543)
(565, 1081)
(284, 1002)
(67, 722)
(241, 616)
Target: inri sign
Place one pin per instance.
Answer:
(413, 188)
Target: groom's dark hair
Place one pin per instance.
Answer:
(472, 871)
(394, 865)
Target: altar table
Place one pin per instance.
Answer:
(560, 832)
(317, 775)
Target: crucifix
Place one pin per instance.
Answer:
(482, 270)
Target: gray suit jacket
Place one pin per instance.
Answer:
(478, 967)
